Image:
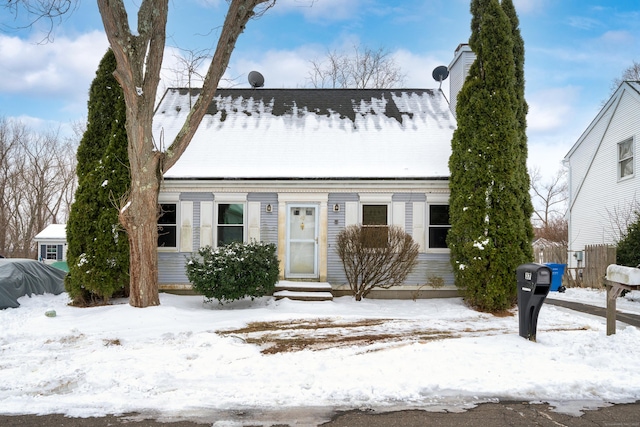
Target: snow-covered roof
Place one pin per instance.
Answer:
(53, 232)
(311, 133)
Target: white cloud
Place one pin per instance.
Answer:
(419, 68)
(617, 38)
(321, 10)
(554, 123)
(529, 6)
(551, 109)
(290, 68)
(63, 68)
(280, 68)
(547, 157)
(584, 23)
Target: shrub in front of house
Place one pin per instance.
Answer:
(234, 271)
(628, 249)
(375, 257)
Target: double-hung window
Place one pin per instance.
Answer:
(375, 225)
(230, 224)
(439, 225)
(625, 158)
(51, 252)
(168, 225)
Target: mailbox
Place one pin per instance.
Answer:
(534, 282)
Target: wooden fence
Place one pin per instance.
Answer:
(590, 273)
(555, 254)
(594, 267)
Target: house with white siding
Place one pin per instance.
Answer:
(602, 165)
(52, 243)
(293, 167)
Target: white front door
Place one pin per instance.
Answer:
(302, 242)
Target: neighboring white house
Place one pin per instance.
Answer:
(603, 178)
(52, 243)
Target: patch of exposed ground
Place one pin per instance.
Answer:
(319, 334)
(369, 334)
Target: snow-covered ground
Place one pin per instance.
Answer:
(186, 358)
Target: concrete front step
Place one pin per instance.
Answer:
(303, 291)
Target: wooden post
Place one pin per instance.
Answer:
(618, 278)
(612, 295)
(614, 289)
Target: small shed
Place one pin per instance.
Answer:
(52, 243)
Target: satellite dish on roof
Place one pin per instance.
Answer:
(256, 79)
(440, 74)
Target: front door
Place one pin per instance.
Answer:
(302, 242)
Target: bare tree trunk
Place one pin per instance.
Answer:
(139, 218)
(139, 60)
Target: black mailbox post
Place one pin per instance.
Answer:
(534, 282)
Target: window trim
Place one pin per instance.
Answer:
(631, 142)
(48, 246)
(174, 198)
(434, 199)
(230, 199)
(430, 226)
(374, 203)
(216, 214)
(176, 225)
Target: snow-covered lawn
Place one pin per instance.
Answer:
(186, 357)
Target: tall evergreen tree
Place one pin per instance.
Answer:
(488, 236)
(98, 248)
(521, 115)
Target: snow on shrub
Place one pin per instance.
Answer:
(234, 271)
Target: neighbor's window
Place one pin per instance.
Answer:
(438, 225)
(168, 226)
(230, 223)
(375, 225)
(51, 252)
(625, 158)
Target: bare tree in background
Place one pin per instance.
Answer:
(620, 217)
(188, 66)
(37, 180)
(364, 68)
(139, 55)
(550, 205)
(631, 73)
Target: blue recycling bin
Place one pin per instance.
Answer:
(557, 271)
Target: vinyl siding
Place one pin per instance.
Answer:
(171, 266)
(268, 220)
(596, 190)
(429, 264)
(335, 271)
